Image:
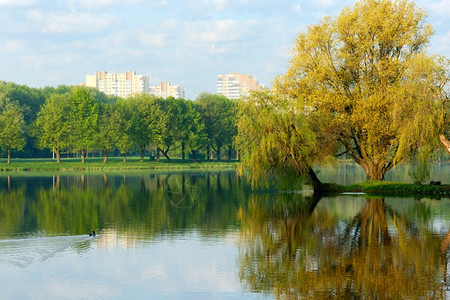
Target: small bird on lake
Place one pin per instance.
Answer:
(92, 233)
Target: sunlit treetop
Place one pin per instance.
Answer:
(366, 75)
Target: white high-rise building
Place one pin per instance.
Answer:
(165, 90)
(118, 84)
(235, 85)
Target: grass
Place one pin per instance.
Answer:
(113, 164)
(393, 189)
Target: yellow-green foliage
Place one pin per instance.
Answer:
(367, 80)
(275, 138)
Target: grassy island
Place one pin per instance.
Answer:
(387, 188)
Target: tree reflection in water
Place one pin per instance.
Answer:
(293, 249)
(143, 205)
(291, 245)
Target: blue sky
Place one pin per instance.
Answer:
(186, 42)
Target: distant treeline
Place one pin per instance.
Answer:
(36, 122)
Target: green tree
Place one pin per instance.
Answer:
(193, 131)
(110, 129)
(12, 127)
(365, 78)
(170, 122)
(84, 116)
(144, 118)
(186, 126)
(218, 114)
(277, 141)
(29, 99)
(52, 124)
(61, 90)
(124, 142)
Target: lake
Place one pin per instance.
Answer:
(207, 235)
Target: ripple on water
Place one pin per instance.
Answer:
(26, 251)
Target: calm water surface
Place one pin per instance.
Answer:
(208, 236)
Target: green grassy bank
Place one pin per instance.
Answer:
(113, 164)
(387, 188)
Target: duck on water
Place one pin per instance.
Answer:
(92, 233)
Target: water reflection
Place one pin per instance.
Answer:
(287, 245)
(141, 205)
(350, 173)
(293, 248)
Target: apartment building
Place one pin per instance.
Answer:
(165, 90)
(235, 85)
(119, 84)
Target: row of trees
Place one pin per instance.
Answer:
(78, 119)
(360, 83)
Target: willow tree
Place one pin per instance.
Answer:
(277, 141)
(366, 78)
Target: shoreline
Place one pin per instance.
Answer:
(133, 164)
(389, 188)
(113, 164)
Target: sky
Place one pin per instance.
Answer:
(186, 42)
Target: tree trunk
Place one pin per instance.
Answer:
(183, 149)
(165, 154)
(194, 155)
(158, 154)
(105, 180)
(315, 181)
(229, 153)
(58, 155)
(208, 152)
(105, 159)
(142, 152)
(218, 152)
(445, 142)
(373, 171)
(83, 156)
(124, 158)
(9, 154)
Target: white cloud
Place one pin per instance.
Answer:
(297, 8)
(42, 61)
(213, 31)
(12, 46)
(70, 22)
(153, 40)
(324, 3)
(17, 2)
(97, 4)
(90, 4)
(219, 50)
(220, 4)
(441, 8)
